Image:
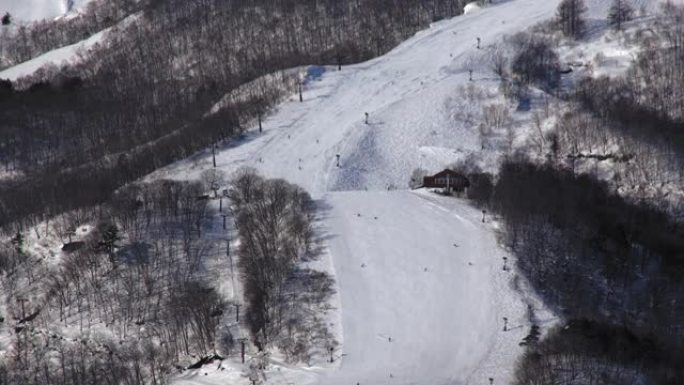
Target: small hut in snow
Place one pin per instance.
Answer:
(447, 179)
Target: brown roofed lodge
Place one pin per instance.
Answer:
(448, 179)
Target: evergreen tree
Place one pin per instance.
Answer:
(620, 12)
(18, 242)
(570, 18)
(7, 19)
(109, 237)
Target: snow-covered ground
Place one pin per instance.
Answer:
(31, 10)
(423, 292)
(423, 296)
(407, 93)
(70, 54)
(420, 269)
(64, 55)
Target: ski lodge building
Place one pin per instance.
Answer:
(447, 179)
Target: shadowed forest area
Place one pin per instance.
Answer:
(142, 100)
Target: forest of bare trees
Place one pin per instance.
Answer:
(34, 39)
(137, 277)
(136, 295)
(274, 221)
(146, 103)
(606, 255)
(132, 297)
(594, 257)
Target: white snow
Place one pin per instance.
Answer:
(420, 302)
(470, 8)
(66, 55)
(427, 272)
(407, 93)
(31, 10)
(421, 269)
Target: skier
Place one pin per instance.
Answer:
(366, 117)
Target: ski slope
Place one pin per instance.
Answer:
(420, 295)
(67, 55)
(60, 56)
(406, 93)
(32, 10)
(420, 269)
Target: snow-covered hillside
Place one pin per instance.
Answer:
(425, 294)
(422, 299)
(58, 57)
(420, 270)
(31, 10)
(67, 55)
(414, 98)
(408, 94)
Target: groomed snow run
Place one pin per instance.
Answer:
(415, 267)
(419, 281)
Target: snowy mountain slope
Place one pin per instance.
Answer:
(446, 322)
(31, 10)
(426, 273)
(60, 56)
(404, 92)
(419, 290)
(418, 269)
(65, 55)
(422, 296)
(409, 94)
